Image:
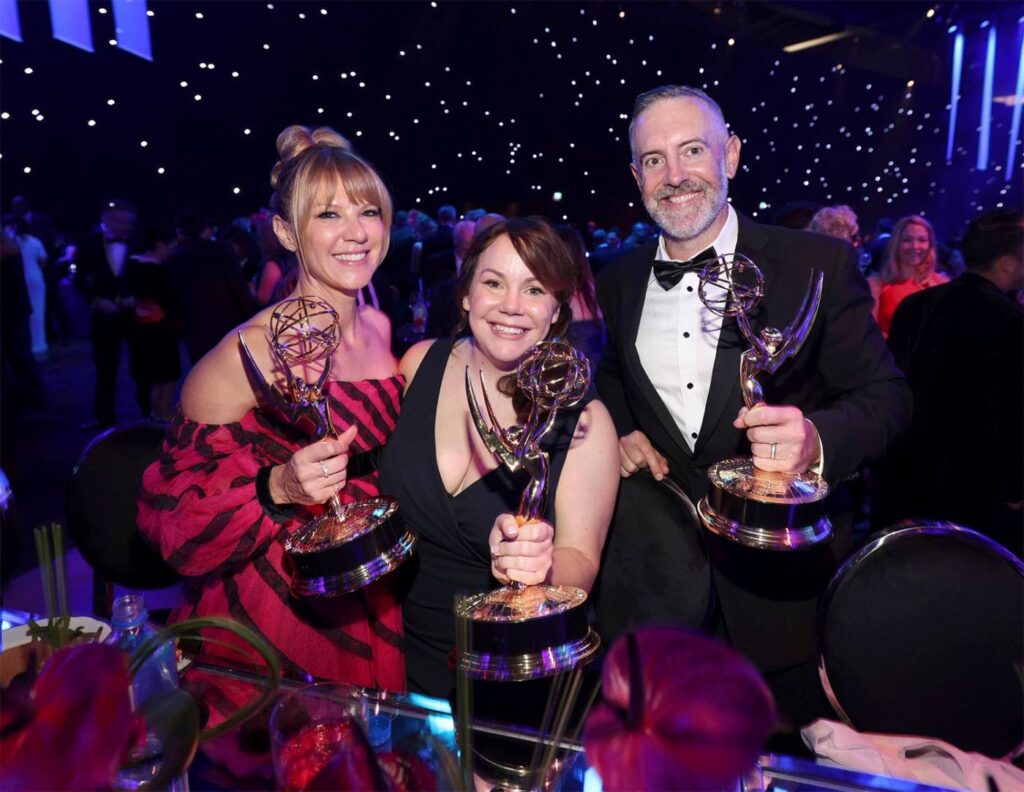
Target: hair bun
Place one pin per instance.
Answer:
(296, 140)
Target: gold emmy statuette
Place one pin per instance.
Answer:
(528, 632)
(350, 546)
(757, 508)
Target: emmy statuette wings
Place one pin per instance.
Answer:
(347, 547)
(756, 508)
(526, 632)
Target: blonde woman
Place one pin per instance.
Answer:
(908, 267)
(233, 482)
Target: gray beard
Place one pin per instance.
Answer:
(695, 228)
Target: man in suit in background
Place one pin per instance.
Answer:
(211, 293)
(441, 239)
(101, 262)
(962, 347)
(670, 378)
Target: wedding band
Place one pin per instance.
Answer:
(326, 472)
(771, 451)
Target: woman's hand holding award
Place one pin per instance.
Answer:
(347, 547)
(527, 632)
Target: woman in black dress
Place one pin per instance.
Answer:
(153, 357)
(514, 291)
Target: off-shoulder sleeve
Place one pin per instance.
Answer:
(198, 501)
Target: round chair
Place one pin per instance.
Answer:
(922, 632)
(101, 511)
(654, 569)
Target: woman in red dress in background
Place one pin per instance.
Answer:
(908, 267)
(233, 482)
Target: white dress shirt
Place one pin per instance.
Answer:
(117, 252)
(678, 337)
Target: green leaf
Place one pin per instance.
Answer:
(173, 718)
(190, 629)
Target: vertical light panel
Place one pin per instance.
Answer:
(1018, 100)
(132, 27)
(986, 100)
(70, 22)
(954, 92)
(10, 22)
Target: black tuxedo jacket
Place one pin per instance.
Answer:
(844, 378)
(95, 278)
(210, 293)
(962, 347)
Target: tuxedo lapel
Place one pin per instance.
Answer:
(731, 343)
(634, 293)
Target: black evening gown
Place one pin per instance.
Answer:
(453, 558)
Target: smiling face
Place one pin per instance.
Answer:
(341, 245)
(914, 246)
(508, 308)
(683, 158)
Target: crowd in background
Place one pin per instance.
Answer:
(62, 290)
(170, 293)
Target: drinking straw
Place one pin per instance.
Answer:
(463, 701)
(43, 552)
(59, 570)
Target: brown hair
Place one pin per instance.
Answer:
(544, 253)
(311, 158)
(585, 286)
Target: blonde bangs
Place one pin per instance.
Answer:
(326, 170)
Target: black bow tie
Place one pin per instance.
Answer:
(669, 273)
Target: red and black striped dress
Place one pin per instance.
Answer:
(198, 505)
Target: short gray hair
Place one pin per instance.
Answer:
(648, 98)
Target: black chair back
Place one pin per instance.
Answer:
(654, 568)
(922, 632)
(101, 511)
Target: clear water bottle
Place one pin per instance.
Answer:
(158, 674)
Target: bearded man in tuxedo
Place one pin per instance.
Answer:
(670, 377)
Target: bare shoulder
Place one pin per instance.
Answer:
(595, 427)
(411, 360)
(217, 390)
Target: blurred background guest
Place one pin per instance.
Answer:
(22, 386)
(277, 272)
(961, 345)
(245, 249)
(100, 262)
(207, 285)
(841, 222)
(442, 274)
(795, 214)
(34, 262)
(154, 358)
(586, 332)
(836, 221)
(909, 267)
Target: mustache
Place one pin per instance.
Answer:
(688, 186)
